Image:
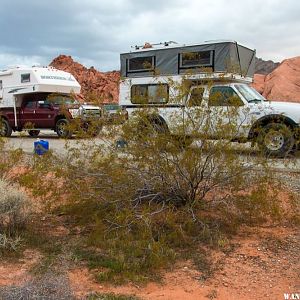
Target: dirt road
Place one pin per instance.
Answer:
(25, 142)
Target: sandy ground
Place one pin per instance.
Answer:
(264, 265)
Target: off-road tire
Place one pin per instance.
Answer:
(34, 132)
(62, 129)
(5, 128)
(276, 140)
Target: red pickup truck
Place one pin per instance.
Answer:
(47, 111)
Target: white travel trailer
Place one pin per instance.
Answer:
(211, 70)
(24, 95)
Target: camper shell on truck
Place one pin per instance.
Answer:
(223, 70)
(35, 98)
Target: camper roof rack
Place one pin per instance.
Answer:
(151, 45)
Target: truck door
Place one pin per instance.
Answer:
(44, 114)
(225, 112)
(195, 111)
(27, 116)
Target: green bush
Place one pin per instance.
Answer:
(14, 208)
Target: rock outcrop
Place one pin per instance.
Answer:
(101, 87)
(283, 84)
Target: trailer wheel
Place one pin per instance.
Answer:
(62, 128)
(5, 128)
(34, 132)
(276, 140)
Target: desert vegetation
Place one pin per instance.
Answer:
(129, 213)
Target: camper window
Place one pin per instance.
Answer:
(25, 78)
(141, 64)
(196, 59)
(149, 94)
(1, 85)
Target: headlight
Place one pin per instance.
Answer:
(75, 112)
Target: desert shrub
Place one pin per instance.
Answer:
(110, 296)
(14, 210)
(50, 287)
(142, 206)
(8, 243)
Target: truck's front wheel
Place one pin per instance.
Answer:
(5, 128)
(276, 140)
(62, 129)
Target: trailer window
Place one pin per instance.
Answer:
(150, 94)
(196, 59)
(1, 86)
(25, 78)
(141, 64)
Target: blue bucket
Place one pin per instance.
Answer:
(41, 147)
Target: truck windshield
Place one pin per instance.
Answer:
(249, 93)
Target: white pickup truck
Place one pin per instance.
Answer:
(217, 101)
(274, 126)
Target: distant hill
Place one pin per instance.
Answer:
(265, 66)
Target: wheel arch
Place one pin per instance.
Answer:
(59, 117)
(158, 120)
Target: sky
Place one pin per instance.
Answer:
(95, 32)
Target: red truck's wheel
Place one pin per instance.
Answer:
(34, 132)
(5, 128)
(62, 128)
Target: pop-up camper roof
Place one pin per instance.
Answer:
(170, 59)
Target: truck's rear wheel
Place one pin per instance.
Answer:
(62, 129)
(5, 128)
(34, 132)
(276, 140)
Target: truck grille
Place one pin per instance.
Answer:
(91, 113)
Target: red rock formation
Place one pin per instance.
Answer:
(101, 87)
(283, 84)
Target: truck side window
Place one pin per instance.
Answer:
(44, 104)
(30, 104)
(224, 96)
(196, 97)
